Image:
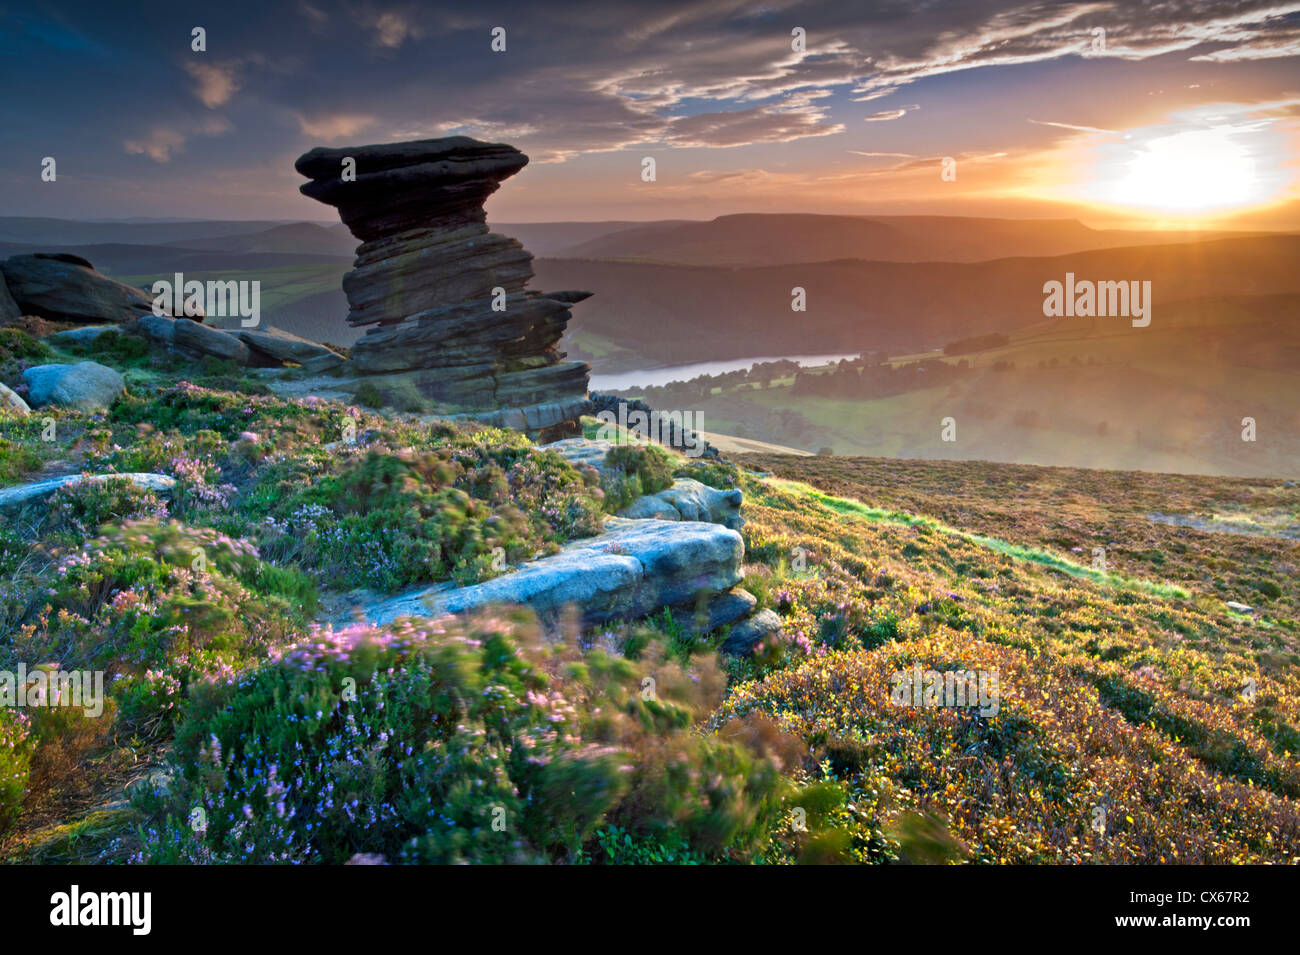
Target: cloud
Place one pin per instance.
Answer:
(334, 127)
(215, 84)
(162, 141)
(794, 119)
(1078, 129)
(391, 28)
(158, 145)
(886, 115)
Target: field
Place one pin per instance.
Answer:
(1088, 393)
(1132, 692)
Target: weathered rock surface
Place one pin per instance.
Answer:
(747, 634)
(689, 500)
(281, 346)
(445, 297)
(86, 386)
(686, 500)
(721, 610)
(11, 402)
(633, 569)
(260, 348)
(196, 339)
(13, 498)
(582, 452)
(66, 287)
(78, 336)
(9, 309)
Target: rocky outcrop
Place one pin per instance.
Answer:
(444, 298)
(11, 402)
(689, 500)
(261, 348)
(14, 498)
(686, 500)
(9, 310)
(64, 287)
(280, 347)
(78, 336)
(633, 569)
(745, 636)
(639, 418)
(86, 386)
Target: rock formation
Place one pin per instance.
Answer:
(633, 569)
(65, 287)
(9, 310)
(443, 297)
(15, 498)
(86, 386)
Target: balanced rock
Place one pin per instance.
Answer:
(86, 386)
(65, 287)
(443, 296)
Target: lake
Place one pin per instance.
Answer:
(647, 377)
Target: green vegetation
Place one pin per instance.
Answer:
(238, 728)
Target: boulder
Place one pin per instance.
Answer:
(86, 386)
(689, 500)
(633, 569)
(282, 347)
(196, 340)
(65, 287)
(723, 609)
(747, 634)
(14, 498)
(583, 452)
(9, 310)
(78, 336)
(11, 402)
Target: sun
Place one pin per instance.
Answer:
(1194, 167)
(1195, 170)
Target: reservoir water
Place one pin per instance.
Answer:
(647, 377)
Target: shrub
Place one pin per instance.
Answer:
(17, 461)
(632, 470)
(80, 508)
(437, 743)
(154, 604)
(15, 760)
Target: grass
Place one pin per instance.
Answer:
(1034, 555)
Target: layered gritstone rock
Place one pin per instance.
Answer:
(429, 280)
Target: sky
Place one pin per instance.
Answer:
(1155, 115)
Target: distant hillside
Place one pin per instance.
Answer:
(560, 238)
(158, 261)
(300, 238)
(1066, 392)
(763, 239)
(674, 313)
(41, 231)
